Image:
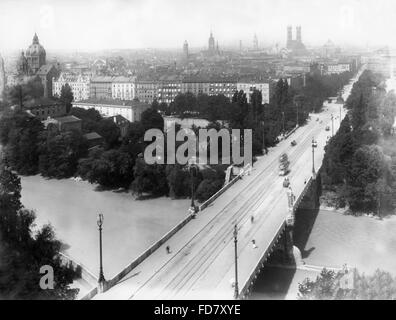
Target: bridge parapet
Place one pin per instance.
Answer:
(246, 288)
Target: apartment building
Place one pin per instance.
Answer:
(79, 84)
(123, 88)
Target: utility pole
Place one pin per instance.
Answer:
(236, 289)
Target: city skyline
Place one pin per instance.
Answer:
(80, 27)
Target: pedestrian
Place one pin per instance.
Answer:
(305, 181)
(251, 219)
(254, 244)
(167, 249)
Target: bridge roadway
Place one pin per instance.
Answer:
(201, 262)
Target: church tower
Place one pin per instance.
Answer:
(211, 43)
(22, 65)
(255, 42)
(185, 50)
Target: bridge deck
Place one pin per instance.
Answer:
(201, 264)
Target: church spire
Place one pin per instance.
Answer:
(35, 38)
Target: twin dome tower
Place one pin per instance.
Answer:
(296, 46)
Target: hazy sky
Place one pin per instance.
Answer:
(105, 24)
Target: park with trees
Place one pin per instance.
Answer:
(331, 285)
(359, 163)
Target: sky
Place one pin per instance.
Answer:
(88, 25)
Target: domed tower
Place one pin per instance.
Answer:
(35, 55)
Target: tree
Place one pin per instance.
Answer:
(321, 289)
(66, 96)
(20, 134)
(379, 286)
(151, 119)
(149, 179)
(110, 132)
(110, 169)
(59, 153)
(208, 188)
(23, 92)
(24, 253)
(90, 118)
(178, 179)
(367, 168)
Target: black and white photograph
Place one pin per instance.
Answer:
(180, 150)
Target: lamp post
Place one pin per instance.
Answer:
(332, 125)
(193, 169)
(262, 124)
(283, 121)
(101, 279)
(236, 289)
(340, 116)
(314, 145)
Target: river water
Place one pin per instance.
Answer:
(130, 226)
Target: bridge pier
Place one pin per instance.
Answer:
(288, 256)
(312, 196)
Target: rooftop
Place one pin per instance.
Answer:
(45, 69)
(92, 136)
(113, 102)
(103, 79)
(67, 119)
(42, 102)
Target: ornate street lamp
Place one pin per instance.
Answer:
(193, 169)
(236, 289)
(314, 145)
(101, 276)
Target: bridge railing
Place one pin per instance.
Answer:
(112, 282)
(256, 270)
(246, 170)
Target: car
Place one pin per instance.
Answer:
(286, 182)
(327, 128)
(293, 143)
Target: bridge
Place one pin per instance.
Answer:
(201, 262)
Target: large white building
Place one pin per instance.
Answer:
(249, 87)
(338, 68)
(80, 85)
(130, 110)
(123, 88)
